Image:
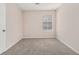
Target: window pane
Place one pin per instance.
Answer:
(47, 23)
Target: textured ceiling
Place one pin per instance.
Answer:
(41, 6)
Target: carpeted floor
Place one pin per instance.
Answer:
(39, 47)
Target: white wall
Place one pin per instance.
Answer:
(68, 25)
(33, 24)
(14, 24)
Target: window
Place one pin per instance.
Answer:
(47, 23)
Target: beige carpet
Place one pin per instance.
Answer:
(39, 47)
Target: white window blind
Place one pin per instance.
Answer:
(47, 23)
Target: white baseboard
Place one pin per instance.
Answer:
(69, 46)
(39, 37)
(2, 51)
(10, 46)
